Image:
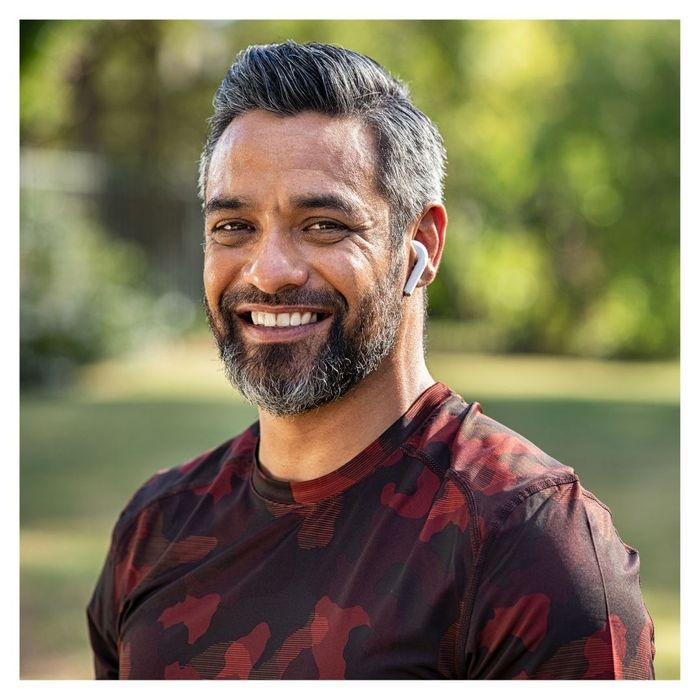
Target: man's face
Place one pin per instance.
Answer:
(302, 291)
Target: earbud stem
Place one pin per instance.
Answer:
(418, 268)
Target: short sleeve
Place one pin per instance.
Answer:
(556, 595)
(101, 617)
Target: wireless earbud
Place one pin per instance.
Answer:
(417, 271)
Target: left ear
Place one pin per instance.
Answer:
(430, 231)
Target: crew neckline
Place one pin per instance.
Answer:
(360, 466)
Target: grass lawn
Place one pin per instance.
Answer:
(83, 454)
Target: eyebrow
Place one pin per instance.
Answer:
(325, 201)
(220, 203)
(310, 201)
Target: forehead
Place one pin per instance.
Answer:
(261, 149)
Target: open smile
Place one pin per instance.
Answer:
(281, 320)
(282, 325)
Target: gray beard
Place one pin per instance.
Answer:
(286, 379)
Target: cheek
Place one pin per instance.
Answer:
(357, 272)
(219, 271)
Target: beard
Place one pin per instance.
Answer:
(294, 377)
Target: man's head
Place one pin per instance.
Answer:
(291, 78)
(308, 217)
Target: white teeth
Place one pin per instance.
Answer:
(263, 318)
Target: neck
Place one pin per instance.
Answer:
(309, 445)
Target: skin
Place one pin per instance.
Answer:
(262, 230)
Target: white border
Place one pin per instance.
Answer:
(593, 9)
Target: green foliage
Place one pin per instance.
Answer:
(562, 136)
(567, 155)
(83, 296)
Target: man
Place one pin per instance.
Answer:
(372, 524)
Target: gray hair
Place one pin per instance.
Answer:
(291, 78)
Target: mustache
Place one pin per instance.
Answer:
(293, 296)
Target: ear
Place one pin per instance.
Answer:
(430, 231)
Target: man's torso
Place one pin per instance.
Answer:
(385, 568)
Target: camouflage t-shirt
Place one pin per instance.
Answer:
(450, 547)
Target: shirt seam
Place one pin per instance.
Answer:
(595, 499)
(445, 474)
(494, 528)
(618, 670)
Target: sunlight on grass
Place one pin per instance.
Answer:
(664, 609)
(190, 369)
(75, 550)
(185, 369)
(536, 377)
(59, 567)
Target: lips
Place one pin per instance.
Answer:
(270, 324)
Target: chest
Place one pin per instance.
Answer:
(318, 592)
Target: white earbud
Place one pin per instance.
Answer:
(417, 271)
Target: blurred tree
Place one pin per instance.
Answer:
(83, 295)
(78, 303)
(562, 137)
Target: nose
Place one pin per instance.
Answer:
(275, 263)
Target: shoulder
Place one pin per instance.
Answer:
(554, 575)
(493, 466)
(500, 467)
(151, 535)
(193, 477)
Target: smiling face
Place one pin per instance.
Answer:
(302, 291)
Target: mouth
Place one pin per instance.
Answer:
(282, 325)
(282, 319)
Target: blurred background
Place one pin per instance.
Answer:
(556, 306)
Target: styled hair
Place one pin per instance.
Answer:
(291, 78)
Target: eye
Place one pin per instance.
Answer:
(327, 231)
(230, 232)
(231, 226)
(325, 226)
